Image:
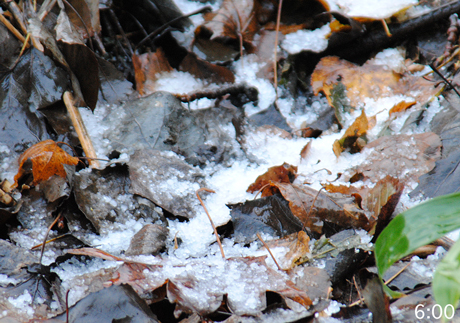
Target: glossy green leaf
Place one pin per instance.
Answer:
(446, 280)
(417, 227)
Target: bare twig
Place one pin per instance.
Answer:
(397, 274)
(80, 128)
(268, 249)
(275, 64)
(160, 29)
(209, 217)
(12, 29)
(46, 236)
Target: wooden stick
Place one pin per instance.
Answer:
(269, 251)
(209, 217)
(80, 128)
(13, 30)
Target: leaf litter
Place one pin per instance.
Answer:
(190, 268)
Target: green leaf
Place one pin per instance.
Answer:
(415, 228)
(446, 280)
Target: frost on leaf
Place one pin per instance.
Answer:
(354, 137)
(367, 81)
(405, 157)
(47, 159)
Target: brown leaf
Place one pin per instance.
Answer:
(206, 71)
(277, 174)
(47, 160)
(312, 208)
(305, 150)
(367, 81)
(405, 157)
(147, 68)
(352, 139)
(401, 106)
(235, 22)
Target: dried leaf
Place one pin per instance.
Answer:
(312, 208)
(48, 159)
(305, 150)
(278, 174)
(147, 68)
(401, 106)
(367, 81)
(235, 22)
(405, 157)
(353, 137)
(206, 71)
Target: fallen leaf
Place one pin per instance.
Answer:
(47, 159)
(147, 68)
(206, 71)
(367, 81)
(278, 174)
(401, 106)
(354, 137)
(312, 208)
(233, 25)
(405, 157)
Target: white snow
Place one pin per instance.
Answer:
(374, 9)
(307, 40)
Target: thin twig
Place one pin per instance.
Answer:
(67, 306)
(209, 217)
(80, 128)
(268, 249)
(443, 78)
(160, 29)
(12, 28)
(275, 65)
(46, 236)
(397, 274)
(262, 189)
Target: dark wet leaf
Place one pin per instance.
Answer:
(374, 297)
(270, 116)
(84, 64)
(22, 267)
(206, 71)
(443, 179)
(113, 304)
(269, 215)
(36, 82)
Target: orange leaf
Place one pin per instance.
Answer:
(47, 160)
(401, 106)
(278, 174)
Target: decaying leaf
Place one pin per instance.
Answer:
(235, 22)
(354, 137)
(401, 106)
(405, 157)
(312, 208)
(278, 174)
(147, 68)
(367, 81)
(47, 159)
